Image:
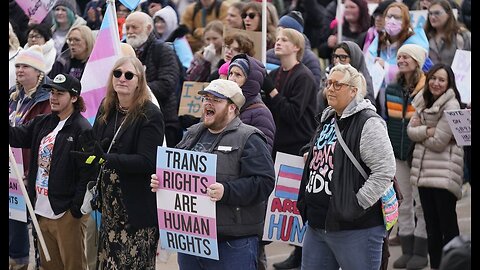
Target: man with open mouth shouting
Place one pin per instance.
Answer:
(245, 177)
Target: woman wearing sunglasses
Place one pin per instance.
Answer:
(128, 128)
(445, 34)
(252, 19)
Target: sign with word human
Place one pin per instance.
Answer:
(186, 215)
(459, 122)
(17, 209)
(283, 222)
(191, 101)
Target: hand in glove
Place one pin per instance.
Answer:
(209, 52)
(94, 155)
(268, 85)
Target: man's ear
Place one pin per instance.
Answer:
(232, 107)
(149, 28)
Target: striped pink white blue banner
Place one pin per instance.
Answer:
(288, 182)
(105, 53)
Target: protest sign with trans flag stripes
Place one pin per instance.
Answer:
(131, 4)
(288, 182)
(105, 53)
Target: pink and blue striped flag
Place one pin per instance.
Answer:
(105, 53)
(131, 4)
(288, 182)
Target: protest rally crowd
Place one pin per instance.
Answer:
(366, 74)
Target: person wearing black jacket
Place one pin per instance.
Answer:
(290, 93)
(244, 177)
(127, 130)
(162, 70)
(57, 182)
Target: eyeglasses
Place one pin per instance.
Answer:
(234, 50)
(128, 75)
(34, 36)
(336, 85)
(436, 13)
(211, 99)
(342, 57)
(73, 40)
(251, 15)
(396, 17)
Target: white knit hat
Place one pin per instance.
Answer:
(33, 57)
(417, 52)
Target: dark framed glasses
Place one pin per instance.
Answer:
(117, 73)
(251, 15)
(342, 57)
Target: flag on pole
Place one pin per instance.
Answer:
(105, 53)
(131, 4)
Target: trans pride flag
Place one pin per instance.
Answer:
(105, 53)
(288, 182)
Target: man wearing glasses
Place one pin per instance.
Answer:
(245, 177)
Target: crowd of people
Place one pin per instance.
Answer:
(316, 88)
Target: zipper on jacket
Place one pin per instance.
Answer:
(404, 112)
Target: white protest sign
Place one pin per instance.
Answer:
(186, 215)
(459, 122)
(17, 209)
(283, 222)
(378, 74)
(462, 68)
(36, 10)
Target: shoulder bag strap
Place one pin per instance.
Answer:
(349, 153)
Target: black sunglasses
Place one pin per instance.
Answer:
(251, 15)
(128, 75)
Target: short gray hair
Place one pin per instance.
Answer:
(353, 78)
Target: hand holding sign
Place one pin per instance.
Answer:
(215, 191)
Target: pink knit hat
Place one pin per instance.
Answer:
(33, 57)
(223, 70)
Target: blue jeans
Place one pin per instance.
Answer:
(234, 254)
(349, 249)
(18, 241)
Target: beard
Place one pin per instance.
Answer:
(218, 121)
(137, 40)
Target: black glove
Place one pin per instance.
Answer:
(87, 140)
(95, 156)
(268, 85)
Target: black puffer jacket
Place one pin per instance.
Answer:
(163, 74)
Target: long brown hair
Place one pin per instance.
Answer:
(451, 27)
(427, 94)
(139, 99)
(272, 18)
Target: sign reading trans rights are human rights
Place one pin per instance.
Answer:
(186, 215)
